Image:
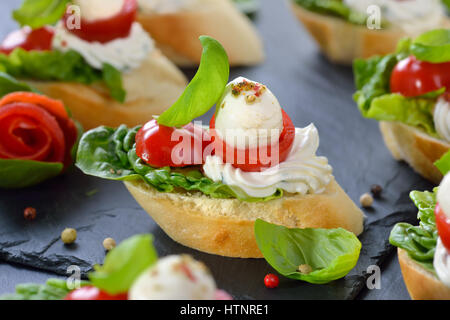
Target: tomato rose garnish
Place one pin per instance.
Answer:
(253, 162)
(108, 29)
(412, 77)
(34, 127)
(93, 293)
(161, 146)
(28, 39)
(443, 226)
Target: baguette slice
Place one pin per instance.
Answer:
(421, 284)
(342, 42)
(176, 34)
(415, 147)
(151, 89)
(226, 226)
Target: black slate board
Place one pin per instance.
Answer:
(310, 90)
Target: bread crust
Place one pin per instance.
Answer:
(421, 284)
(176, 34)
(151, 89)
(226, 226)
(415, 147)
(342, 42)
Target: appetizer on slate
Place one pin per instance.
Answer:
(176, 25)
(208, 194)
(341, 27)
(106, 69)
(408, 91)
(132, 271)
(424, 250)
(38, 136)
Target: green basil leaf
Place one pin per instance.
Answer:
(335, 8)
(443, 164)
(419, 241)
(204, 90)
(433, 46)
(8, 84)
(60, 66)
(38, 13)
(110, 154)
(25, 173)
(331, 253)
(124, 264)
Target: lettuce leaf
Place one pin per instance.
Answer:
(38, 13)
(60, 66)
(331, 253)
(419, 241)
(111, 154)
(443, 164)
(335, 8)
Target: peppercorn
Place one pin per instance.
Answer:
(271, 281)
(305, 268)
(29, 213)
(109, 244)
(366, 200)
(69, 235)
(376, 190)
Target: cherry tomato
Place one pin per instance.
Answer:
(271, 281)
(253, 160)
(161, 146)
(443, 226)
(93, 293)
(108, 29)
(412, 77)
(28, 39)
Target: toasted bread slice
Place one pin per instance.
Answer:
(421, 284)
(226, 226)
(415, 147)
(176, 34)
(151, 89)
(342, 42)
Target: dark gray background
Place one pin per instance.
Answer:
(310, 90)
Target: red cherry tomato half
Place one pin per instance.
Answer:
(29, 131)
(271, 281)
(412, 77)
(93, 293)
(28, 39)
(161, 146)
(253, 160)
(443, 226)
(108, 29)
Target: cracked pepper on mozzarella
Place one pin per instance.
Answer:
(175, 278)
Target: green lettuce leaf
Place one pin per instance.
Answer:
(443, 164)
(419, 241)
(16, 174)
(53, 289)
(38, 13)
(124, 264)
(335, 8)
(204, 90)
(432, 46)
(8, 84)
(331, 253)
(60, 66)
(111, 154)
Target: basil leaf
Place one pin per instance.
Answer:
(59, 66)
(335, 8)
(38, 13)
(446, 4)
(25, 173)
(433, 46)
(331, 253)
(54, 289)
(8, 84)
(419, 241)
(110, 154)
(124, 264)
(204, 90)
(443, 164)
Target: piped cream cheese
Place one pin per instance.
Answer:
(412, 16)
(442, 119)
(124, 54)
(303, 172)
(441, 263)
